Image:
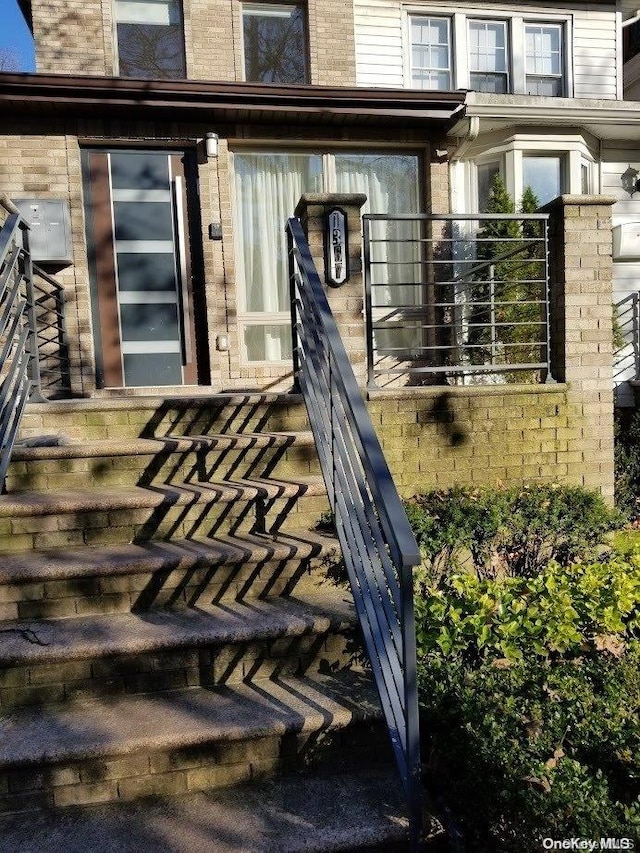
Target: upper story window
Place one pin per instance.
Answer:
(431, 53)
(544, 65)
(508, 56)
(150, 39)
(275, 43)
(488, 56)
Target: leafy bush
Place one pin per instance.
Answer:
(540, 749)
(508, 531)
(562, 610)
(530, 689)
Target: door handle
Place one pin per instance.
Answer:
(185, 325)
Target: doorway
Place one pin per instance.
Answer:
(142, 271)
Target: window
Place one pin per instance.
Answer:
(150, 39)
(268, 185)
(275, 44)
(544, 175)
(430, 53)
(543, 47)
(509, 56)
(486, 174)
(488, 61)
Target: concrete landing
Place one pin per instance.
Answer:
(344, 812)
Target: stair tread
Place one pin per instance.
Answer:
(135, 402)
(21, 504)
(298, 814)
(31, 450)
(31, 642)
(182, 718)
(123, 559)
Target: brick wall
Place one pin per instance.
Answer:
(581, 273)
(73, 37)
(78, 38)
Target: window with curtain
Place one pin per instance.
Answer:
(544, 63)
(430, 52)
(488, 56)
(267, 188)
(150, 39)
(274, 43)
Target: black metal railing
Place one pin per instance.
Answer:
(17, 344)
(34, 358)
(54, 369)
(378, 545)
(457, 296)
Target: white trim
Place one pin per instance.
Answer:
(149, 347)
(163, 196)
(145, 247)
(143, 297)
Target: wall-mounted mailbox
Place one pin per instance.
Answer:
(626, 242)
(50, 232)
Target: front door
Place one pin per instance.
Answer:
(140, 260)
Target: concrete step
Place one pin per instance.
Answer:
(56, 463)
(66, 582)
(52, 661)
(103, 516)
(123, 748)
(298, 814)
(134, 417)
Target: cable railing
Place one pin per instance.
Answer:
(377, 543)
(457, 297)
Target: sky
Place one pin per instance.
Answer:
(15, 36)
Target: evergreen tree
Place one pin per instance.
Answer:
(505, 316)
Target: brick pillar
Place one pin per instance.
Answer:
(347, 301)
(581, 273)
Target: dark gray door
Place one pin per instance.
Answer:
(143, 317)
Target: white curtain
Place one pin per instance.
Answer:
(267, 188)
(390, 182)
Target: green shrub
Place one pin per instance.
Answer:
(562, 610)
(509, 531)
(540, 749)
(530, 689)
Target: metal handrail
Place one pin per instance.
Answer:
(16, 330)
(33, 347)
(378, 545)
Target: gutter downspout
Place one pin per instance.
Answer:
(456, 175)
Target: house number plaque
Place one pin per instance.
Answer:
(336, 248)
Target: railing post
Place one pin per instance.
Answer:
(368, 301)
(293, 301)
(35, 395)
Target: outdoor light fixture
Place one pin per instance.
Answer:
(630, 181)
(211, 145)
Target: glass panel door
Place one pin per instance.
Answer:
(142, 272)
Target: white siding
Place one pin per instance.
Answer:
(379, 41)
(378, 32)
(626, 274)
(594, 54)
